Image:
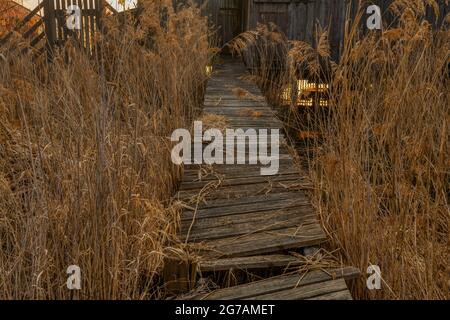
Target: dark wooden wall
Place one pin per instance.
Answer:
(228, 16)
(298, 19)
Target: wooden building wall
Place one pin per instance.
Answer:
(296, 18)
(229, 16)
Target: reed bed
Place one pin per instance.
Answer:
(381, 148)
(85, 170)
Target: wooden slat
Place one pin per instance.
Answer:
(85, 27)
(252, 199)
(37, 54)
(266, 242)
(185, 186)
(232, 209)
(246, 263)
(60, 23)
(233, 171)
(253, 171)
(306, 292)
(30, 16)
(33, 29)
(232, 103)
(241, 191)
(340, 295)
(280, 283)
(91, 29)
(234, 229)
(244, 218)
(212, 96)
(110, 8)
(241, 111)
(64, 31)
(80, 34)
(22, 22)
(36, 39)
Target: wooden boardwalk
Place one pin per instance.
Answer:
(240, 219)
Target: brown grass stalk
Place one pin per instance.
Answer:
(380, 150)
(85, 169)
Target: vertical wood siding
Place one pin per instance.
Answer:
(298, 19)
(57, 33)
(228, 16)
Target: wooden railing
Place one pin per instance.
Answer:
(31, 28)
(56, 13)
(51, 30)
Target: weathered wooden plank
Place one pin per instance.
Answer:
(276, 284)
(306, 291)
(246, 208)
(251, 116)
(33, 29)
(247, 116)
(253, 199)
(246, 263)
(266, 242)
(240, 181)
(194, 176)
(254, 123)
(239, 106)
(36, 39)
(251, 157)
(198, 172)
(218, 91)
(236, 228)
(340, 295)
(230, 84)
(233, 103)
(241, 191)
(22, 23)
(249, 120)
(278, 214)
(86, 35)
(236, 95)
(194, 169)
(240, 95)
(215, 92)
(240, 112)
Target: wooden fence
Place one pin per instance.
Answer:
(59, 20)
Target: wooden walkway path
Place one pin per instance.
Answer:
(242, 220)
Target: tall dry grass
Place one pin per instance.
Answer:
(384, 163)
(381, 165)
(85, 170)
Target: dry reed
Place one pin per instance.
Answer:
(85, 170)
(381, 164)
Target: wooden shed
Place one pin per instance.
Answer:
(296, 18)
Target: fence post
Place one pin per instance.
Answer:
(50, 26)
(100, 6)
